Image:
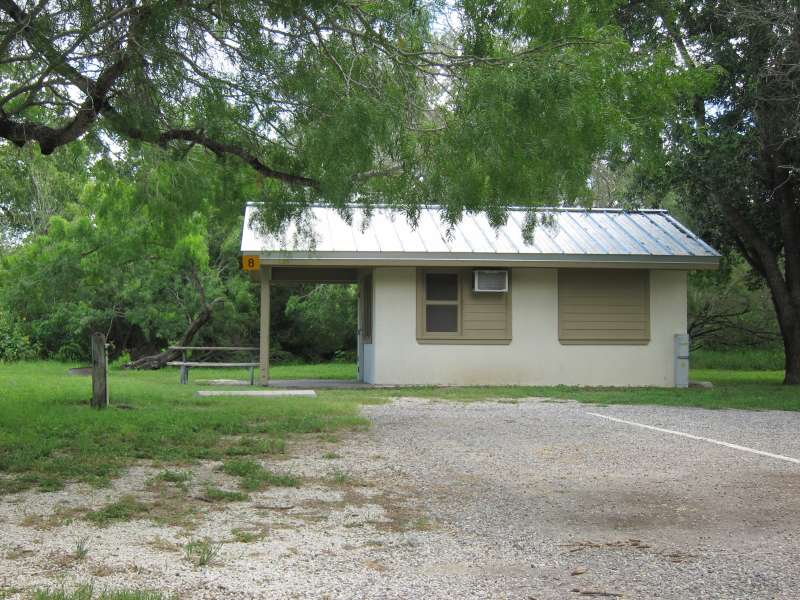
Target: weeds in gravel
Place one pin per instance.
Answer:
(175, 476)
(124, 509)
(331, 455)
(16, 553)
(202, 552)
(215, 494)
(60, 517)
(159, 543)
(81, 549)
(256, 445)
(340, 477)
(87, 592)
(252, 476)
(246, 536)
(422, 524)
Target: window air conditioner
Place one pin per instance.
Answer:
(490, 281)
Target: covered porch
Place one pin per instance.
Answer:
(272, 275)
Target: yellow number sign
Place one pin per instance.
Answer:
(251, 263)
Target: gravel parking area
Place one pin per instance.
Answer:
(531, 499)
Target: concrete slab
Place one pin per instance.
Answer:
(258, 393)
(318, 384)
(321, 384)
(222, 381)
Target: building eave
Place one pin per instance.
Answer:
(404, 259)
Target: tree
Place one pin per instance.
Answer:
(36, 188)
(730, 309)
(471, 105)
(733, 149)
(323, 320)
(146, 251)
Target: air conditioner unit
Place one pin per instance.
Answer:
(490, 281)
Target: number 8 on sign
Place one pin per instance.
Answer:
(251, 263)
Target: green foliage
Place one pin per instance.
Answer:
(730, 145)
(471, 104)
(731, 309)
(323, 321)
(132, 263)
(15, 344)
(140, 261)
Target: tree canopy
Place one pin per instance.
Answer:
(732, 150)
(469, 105)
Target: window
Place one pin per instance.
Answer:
(450, 312)
(441, 302)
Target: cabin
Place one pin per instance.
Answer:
(594, 297)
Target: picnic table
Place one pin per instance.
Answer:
(185, 363)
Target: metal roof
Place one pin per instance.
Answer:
(571, 237)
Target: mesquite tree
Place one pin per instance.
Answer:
(470, 105)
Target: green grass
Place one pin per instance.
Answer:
(244, 536)
(175, 476)
(749, 390)
(255, 445)
(202, 552)
(87, 592)
(49, 435)
(215, 494)
(124, 509)
(254, 477)
(738, 360)
(304, 371)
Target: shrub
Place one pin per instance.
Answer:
(14, 342)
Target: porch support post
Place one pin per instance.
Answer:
(266, 276)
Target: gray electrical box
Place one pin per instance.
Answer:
(681, 360)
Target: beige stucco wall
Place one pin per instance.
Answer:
(535, 356)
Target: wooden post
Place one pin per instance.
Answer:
(99, 371)
(264, 331)
(184, 369)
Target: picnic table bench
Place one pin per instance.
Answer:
(185, 364)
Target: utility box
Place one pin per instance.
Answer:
(681, 360)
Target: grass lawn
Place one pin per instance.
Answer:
(49, 435)
(749, 390)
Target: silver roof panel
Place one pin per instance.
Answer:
(591, 235)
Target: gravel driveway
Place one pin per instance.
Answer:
(535, 499)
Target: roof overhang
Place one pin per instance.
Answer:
(448, 259)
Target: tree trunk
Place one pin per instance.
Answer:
(791, 348)
(783, 287)
(157, 361)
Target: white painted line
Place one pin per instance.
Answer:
(701, 438)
